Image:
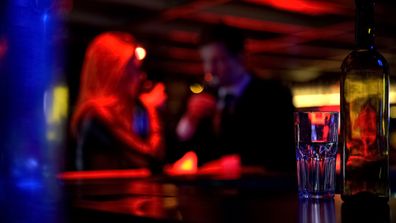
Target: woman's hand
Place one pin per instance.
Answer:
(155, 98)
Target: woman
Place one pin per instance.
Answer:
(115, 124)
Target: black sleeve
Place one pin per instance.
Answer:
(99, 148)
(269, 138)
(203, 143)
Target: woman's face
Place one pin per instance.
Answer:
(134, 79)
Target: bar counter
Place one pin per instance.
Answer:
(137, 196)
(197, 198)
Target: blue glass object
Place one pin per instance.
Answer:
(29, 190)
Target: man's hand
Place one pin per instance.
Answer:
(201, 106)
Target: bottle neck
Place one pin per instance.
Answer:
(364, 24)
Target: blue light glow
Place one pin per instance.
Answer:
(380, 62)
(31, 64)
(30, 184)
(31, 163)
(28, 174)
(45, 17)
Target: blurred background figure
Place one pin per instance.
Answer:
(239, 113)
(115, 121)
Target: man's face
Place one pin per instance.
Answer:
(223, 66)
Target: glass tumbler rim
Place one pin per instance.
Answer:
(302, 112)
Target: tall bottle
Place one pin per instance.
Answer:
(365, 114)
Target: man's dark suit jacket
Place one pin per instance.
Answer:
(260, 130)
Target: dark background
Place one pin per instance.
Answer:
(300, 42)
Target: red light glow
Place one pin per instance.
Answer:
(338, 164)
(188, 164)
(302, 6)
(330, 108)
(104, 174)
(227, 167)
(319, 118)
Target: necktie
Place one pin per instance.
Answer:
(225, 125)
(227, 112)
(229, 103)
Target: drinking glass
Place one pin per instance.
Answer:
(316, 138)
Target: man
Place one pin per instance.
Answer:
(246, 115)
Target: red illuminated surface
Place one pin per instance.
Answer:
(246, 23)
(147, 207)
(144, 205)
(302, 6)
(227, 167)
(334, 32)
(338, 163)
(188, 164)
(335, 108)
(104, 174)
(191, 8)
